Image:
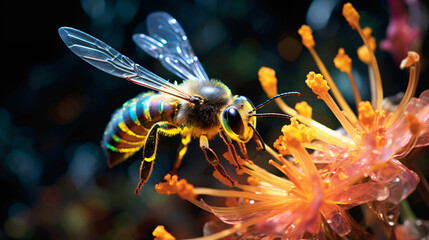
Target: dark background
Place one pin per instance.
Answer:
(54, 107)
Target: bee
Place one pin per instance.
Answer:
(199, 107)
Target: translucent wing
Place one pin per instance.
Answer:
(168, 43)
(105, 58)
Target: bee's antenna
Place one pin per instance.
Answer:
(279, 115)
(257, 135)
(271, 99)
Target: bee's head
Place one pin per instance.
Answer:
(235, 119)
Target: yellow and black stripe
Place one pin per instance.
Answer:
(126, 132)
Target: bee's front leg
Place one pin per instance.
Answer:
(212, 158)
(227, 140)
(149, 150)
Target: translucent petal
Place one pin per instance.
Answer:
(399, 179)
(386, 211)
(213, 227)
(336, 219)
(419, 108)
(359, 194)
(301, 217)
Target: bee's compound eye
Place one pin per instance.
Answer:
(233, 120)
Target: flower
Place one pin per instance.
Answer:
(376, 138)
(326, 172)
(304, 203)
(400, 35)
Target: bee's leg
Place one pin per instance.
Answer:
(212, 158)
(243, 150)
(186, 139)
(149, 150)
(258, 142)
(227, 140)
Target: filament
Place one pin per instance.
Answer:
(355, 89)
(338, 96)
(378, 85)
(372, 86)
(341, 118)
(409, 93)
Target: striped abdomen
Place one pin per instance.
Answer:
(126, 132)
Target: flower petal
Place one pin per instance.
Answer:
(359, 194)
(399, 179)
(336, 219)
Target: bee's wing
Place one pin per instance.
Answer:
(105, 58)
(169, 44)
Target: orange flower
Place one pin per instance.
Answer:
(327, 172)
(375, 138)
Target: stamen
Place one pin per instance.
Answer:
(304, 161)
(268, 81)
(366, 114)
(173, 186)
(363, 52)
(373, 85)
(161, 234)
(411, 60)
(304, 32)
(289, 170)
(307, 36)
(317, 84)
(344, 63)
(376, 71)
(321, 131)
(355, 89)
(342, 119)
(351, 15)
(304, 109)
(307, 135)
(364, 55)
(320, 87)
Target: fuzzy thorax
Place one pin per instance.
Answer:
(203, 118)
